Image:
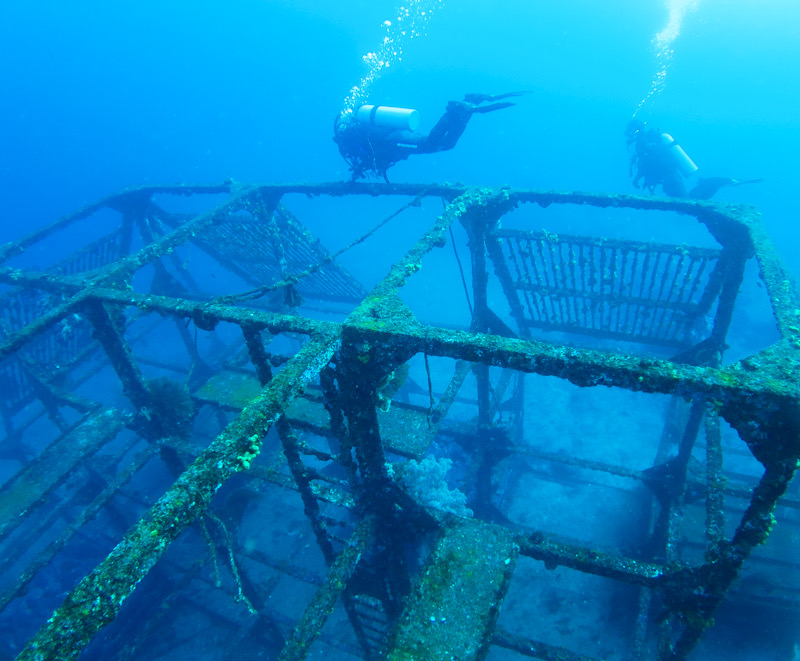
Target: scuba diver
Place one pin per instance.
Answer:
(373, 138)
(658, 160)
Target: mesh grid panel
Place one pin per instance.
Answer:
(649, 293)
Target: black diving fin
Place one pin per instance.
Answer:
(494, 106)
(477, 97)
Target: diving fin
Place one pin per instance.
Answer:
(477, 97)
(494, 106)
(707, 187)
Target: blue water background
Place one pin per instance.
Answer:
(99, 96)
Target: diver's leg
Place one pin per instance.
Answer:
(449, 128)
(673, 184)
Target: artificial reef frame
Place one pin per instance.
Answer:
(351, 362)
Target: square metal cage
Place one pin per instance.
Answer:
(284, 460)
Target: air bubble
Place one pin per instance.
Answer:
(391, 48)
(662, 43)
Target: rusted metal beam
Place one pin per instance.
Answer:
(321, 606)
(45, 322)
(28, 487)
(553, 553)
(715, 486)
(729, 387)
(88, 512)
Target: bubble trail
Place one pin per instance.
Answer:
(662, 43)
(410, 21)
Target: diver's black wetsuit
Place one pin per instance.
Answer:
(652, 165)
(374, 149)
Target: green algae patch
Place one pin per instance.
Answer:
(231, 390)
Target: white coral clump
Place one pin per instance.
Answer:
(426, 482)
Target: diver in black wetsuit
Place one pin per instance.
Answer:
(658, 160)
(372, 147)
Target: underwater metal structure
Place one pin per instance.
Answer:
(297, 396)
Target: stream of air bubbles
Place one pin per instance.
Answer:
(409, 22)
(662, 43)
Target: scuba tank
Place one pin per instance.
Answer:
(679, 157)
(403, 119)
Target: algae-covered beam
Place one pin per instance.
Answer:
(45, 281)
(27, 489)
(208, 314)
(715, 485)
(126, 266)
(456, 600)
(460, 374)
(302, 479)
(258, 353)
(108, 331)
(604, 200)
(321, 606)
(539, 546)
(763, 407)
(13, 343)
(348, 188)
(88, 512)
(510, 288)
(14, 248)
(474, 202)
(733, 265)
(727, 223)
(97, 599)
(780, 285)
(359, 371)
(475, 225)
(587, 367)
(696, 592)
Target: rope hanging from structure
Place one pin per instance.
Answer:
(460, 267)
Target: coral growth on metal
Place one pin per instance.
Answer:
(296, 390)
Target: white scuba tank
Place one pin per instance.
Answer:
(679, 157)
(404, 119)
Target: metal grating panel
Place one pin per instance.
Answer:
(54, 350)
(99, 253)
(269, 251)
(648, 293)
